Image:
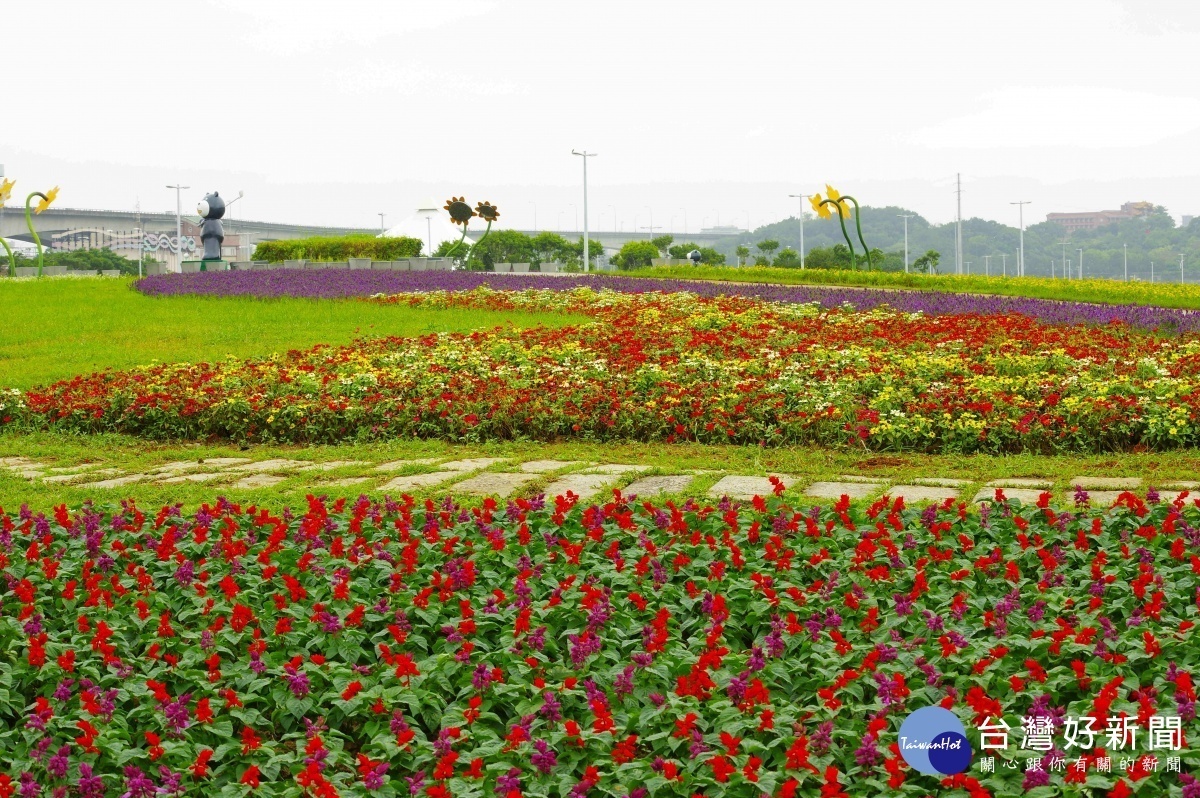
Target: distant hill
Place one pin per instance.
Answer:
(1151, 238)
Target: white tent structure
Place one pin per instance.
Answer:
(432, 226)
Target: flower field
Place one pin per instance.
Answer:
(545, 648)
(340, 283)
(674, 367)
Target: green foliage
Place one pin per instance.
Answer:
(86, 260)
(742, 253)
(663, 244)
(635, 255)
(768, 246)
(788, 258)
(927, 263)
(337, 248)
(708, 255)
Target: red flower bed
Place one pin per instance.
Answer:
(625, 649)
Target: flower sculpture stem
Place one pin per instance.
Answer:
(457, 244)
(471, 251)
(12, 261)
(842, 221)
(29, 223)
(858, 224)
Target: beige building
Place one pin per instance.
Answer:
(1090, 220)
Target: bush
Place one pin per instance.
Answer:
(362, 245)
(635, 255)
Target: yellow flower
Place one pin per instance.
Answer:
(832, 192)
(6, 191)
(818, 208)
(43, 204)
(836, 196)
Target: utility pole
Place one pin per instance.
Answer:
(179, 223)
(802, 198)
(1080, 251)
(1151, 271)
(905, 217)
(1021, 215)
(585, 155)
(1066, 271)
(1126, 248)
(382, 229)
(1004, 262)
(968, 265)
(958, 254)
(987, 265)
(1181, 268)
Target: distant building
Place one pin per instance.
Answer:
(1090, 220)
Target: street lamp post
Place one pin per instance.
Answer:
(1021, 216)
(1066, 271)
(1080, 251)
(1004, 262)
(802, 198)
(585, 155)
(1126, 248)
(179, 223)
(1181, 255)
(906, 217)
(382, 228)
(987, 265)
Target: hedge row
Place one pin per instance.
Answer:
(334, 248)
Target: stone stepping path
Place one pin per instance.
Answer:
(503, 477)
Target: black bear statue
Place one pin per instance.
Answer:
(212, 235)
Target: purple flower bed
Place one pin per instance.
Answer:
(338, 283)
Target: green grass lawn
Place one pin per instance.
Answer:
(1112, 292)
(807, 463)
(56, 328)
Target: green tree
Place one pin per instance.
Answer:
(662, 244)
(742, 253)
(788, 258)
(927, 262)
(767, 247)
(635, 255)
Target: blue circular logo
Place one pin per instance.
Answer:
(933, 741)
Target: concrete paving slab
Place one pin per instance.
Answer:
(64, 478)
(115, 482)
(585, 486)
(1098, 498)
(835, 490)
(656, 486)
(75, 469)
(543, 466)
(276, 464)
(616, 469)
(942, 482)
(222, 462)
(736, 486)
(415, 481)
(494, 483)
(177, 467)
(258, 481)
(201, 477)
(1180, 486)
(918, 494)
(1106, 483)
(29, 473)
(471, 463)
(1043, 484)
(860, 478)
(1025, 495)
(398, 465)
(330, 465)
(9, 462)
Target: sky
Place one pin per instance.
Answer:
(701, 112)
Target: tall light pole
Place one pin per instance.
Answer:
(1021, 216)
(1066, 271)
(382, 229)
(1126, 248)
(1004, 262)
(1181, 268)
(179, 222)
(1080, 251)
(987, 265)
(585, 155)
(1151, 271)
(905, 217)
(802, 198)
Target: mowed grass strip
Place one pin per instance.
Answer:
(1107, 292)
(56, 328)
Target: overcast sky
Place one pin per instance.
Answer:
(331, 112)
